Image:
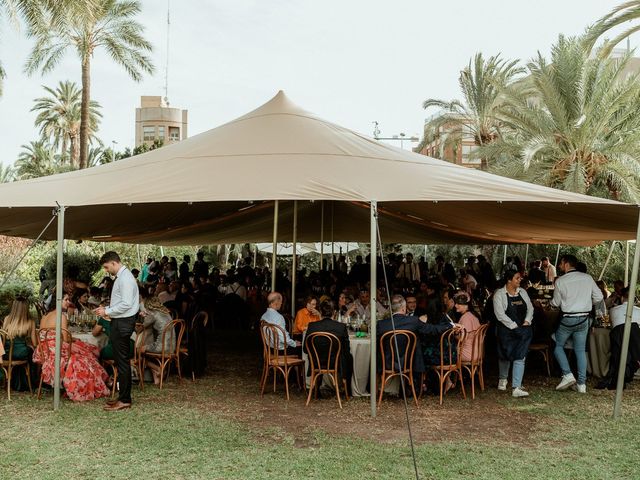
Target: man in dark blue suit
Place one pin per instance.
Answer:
(417, 325)
(327, 325)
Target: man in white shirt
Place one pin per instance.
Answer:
(362, 308)
(618, 316)
(575, 294)
(273, 316)
(123, 311)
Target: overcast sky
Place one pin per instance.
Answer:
(351, 62)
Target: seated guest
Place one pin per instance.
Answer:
(22, 330)
(412, 307)
(328, 325)
(156, 316)
(346, 306)
(80, 300)
(83, 378)
(306, 315)
(617, 316)
(402, 321)
(95, 297)
(446, 316)
(362, 306)
(615, 298)
(274, 300)
(469, 321)
(536, 275)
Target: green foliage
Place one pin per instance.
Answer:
(11, 290)
(628, 11)
(575, 127)
(77, 265)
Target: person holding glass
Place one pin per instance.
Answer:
(306, 315)
(514, 312)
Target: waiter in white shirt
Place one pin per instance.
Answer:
(575, 294)
(123, 310)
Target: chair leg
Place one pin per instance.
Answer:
(286, 381)
(546, 359)
(382, 382)
(441, 380)
(40, 388)
(337, 384)
(413, 390)
(464, 394)
(8, 376)
(481, 376)
(311, 389)
(27, 372)
(473, 382)
(162, 364)
(423, 377)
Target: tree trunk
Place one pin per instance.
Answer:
(84, 111)
(74, 152)
(63, 150)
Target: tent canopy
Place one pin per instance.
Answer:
(219, 186)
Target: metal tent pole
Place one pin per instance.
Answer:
(332, 244)
(504, 261)
(321, 234)
(557, 256)
(372, 305)
(606, 262)
(294, 266)
(627, 327)
(139, 257)
(255, 255)
(59, 297)
(275, 246)
(526, 258)
(626, 263)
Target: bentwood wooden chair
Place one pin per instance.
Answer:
(46, 338)
(450, 361)
(200, 318)
(165, 358)
(401, 344)
(475, 366)
(323, 350)
(9, 364)
(276, 359)
(544, 350)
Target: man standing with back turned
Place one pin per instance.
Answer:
(122, 310)
(575, 294)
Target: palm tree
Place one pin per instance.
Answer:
(59, 119)
(33, 13)
(481, 82)
(110, 26)
(38, 159)
(577, 129)
(625, 12)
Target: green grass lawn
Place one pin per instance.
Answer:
(219, 427)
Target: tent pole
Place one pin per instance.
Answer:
(606, 262)
(626, 264)
(557, 256)
(372, 305)
(321, 234)
(139, 257)
(255, 256)
(504, 261)
(275, 246)
(526, 258)
(294, 259)
(627, 327)
(332, 244)
(161, 251)
(59, 297)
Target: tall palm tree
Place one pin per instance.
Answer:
(59, 119)
(111, 26)
(625, 12)
(33, 12)
(38, 159)
(577, 129)
(480, 82)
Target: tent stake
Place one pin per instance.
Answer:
(275, 246)
(627, 327)
(372, 306)
(59, 297)
(294, 259)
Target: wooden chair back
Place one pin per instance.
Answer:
(450, 348)
(47, 337)
(200, 318)
(174, 328)
(8, 356)
(3, 340)
(323, 349)
(477, 347)
(402, 346)
(271, 335)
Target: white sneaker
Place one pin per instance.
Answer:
(502, 384)
(566, 382)
(580, 388)
(518, 392)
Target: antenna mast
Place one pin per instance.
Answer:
(166, 68)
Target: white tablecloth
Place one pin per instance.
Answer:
(99, 341)
(361, 352)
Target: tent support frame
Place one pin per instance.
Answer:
(59, 296)
(372, 306)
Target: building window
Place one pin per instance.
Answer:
(174, 134)
(161, 132)
(148, 133)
